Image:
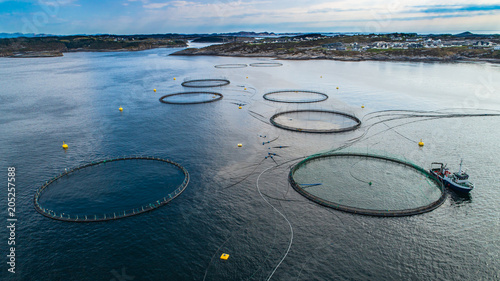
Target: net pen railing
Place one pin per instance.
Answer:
(362, 211)
(109, 215)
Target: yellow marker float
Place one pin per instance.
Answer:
(224, 256)
(65, 146)
(121, 109)
(420, 143)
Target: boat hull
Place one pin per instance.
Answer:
(450, 184)
(456, 187)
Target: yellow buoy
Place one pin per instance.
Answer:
(65, 146)
(420, 143)
(240, 145)
(121, 108)
(154, 90)
(321, 77)
(224, 256)
(337, 88)
(239, 107)
(245, 89)
(247, 77)
(362, 106)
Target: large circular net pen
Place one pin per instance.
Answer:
(367, 184)
(295, 96)
(266, 64)
(191, 97)
(93, 215)
(205, 83)
(231, 65)
(315, 121)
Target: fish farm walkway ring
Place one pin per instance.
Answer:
(117, 215)
(321, 96)
(368, 212)
(266, 64)
(216, 97)
(205, 83)
(233, 65)
(309, 130)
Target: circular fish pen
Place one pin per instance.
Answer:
(266, 64)
(295, 96)
(191, 97)
(205, 83)
(367, 184)
(231, 65)
(171, 176)
(315, 121)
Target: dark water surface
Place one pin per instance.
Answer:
(75, 98)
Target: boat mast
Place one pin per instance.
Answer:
(460, 170)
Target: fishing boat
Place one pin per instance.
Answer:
(458, 181)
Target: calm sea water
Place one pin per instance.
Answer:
(75, 98)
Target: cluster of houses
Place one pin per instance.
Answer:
(410, 43)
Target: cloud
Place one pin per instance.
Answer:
(206, 16)
(168, 4)
(460, 9)
(334, 10)
(155, 5)
(58, 3)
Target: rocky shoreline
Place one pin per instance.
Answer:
(42, 54)
(57, 46)
(315, 54)
(51, 54)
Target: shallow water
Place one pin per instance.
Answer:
(75, 99)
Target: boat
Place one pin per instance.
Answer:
(458, 182)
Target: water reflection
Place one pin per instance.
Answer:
(458, 199)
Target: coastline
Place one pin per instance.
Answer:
(37, 47)
(296, 56)
(312, 55)
(52, 54)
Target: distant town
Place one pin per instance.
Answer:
(355, 47)
(394, 46)
(397, 41)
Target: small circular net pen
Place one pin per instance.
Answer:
(234, 65)
(315, 121)
(367, 184)
(266, 64)
(114, 215)
(295, 96)
(205, 83)
(191, 97)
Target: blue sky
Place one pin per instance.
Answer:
(192, 16)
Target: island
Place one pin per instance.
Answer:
(465, 46)
(351, 47)
(53, 46)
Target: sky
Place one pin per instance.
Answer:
(64, 17)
